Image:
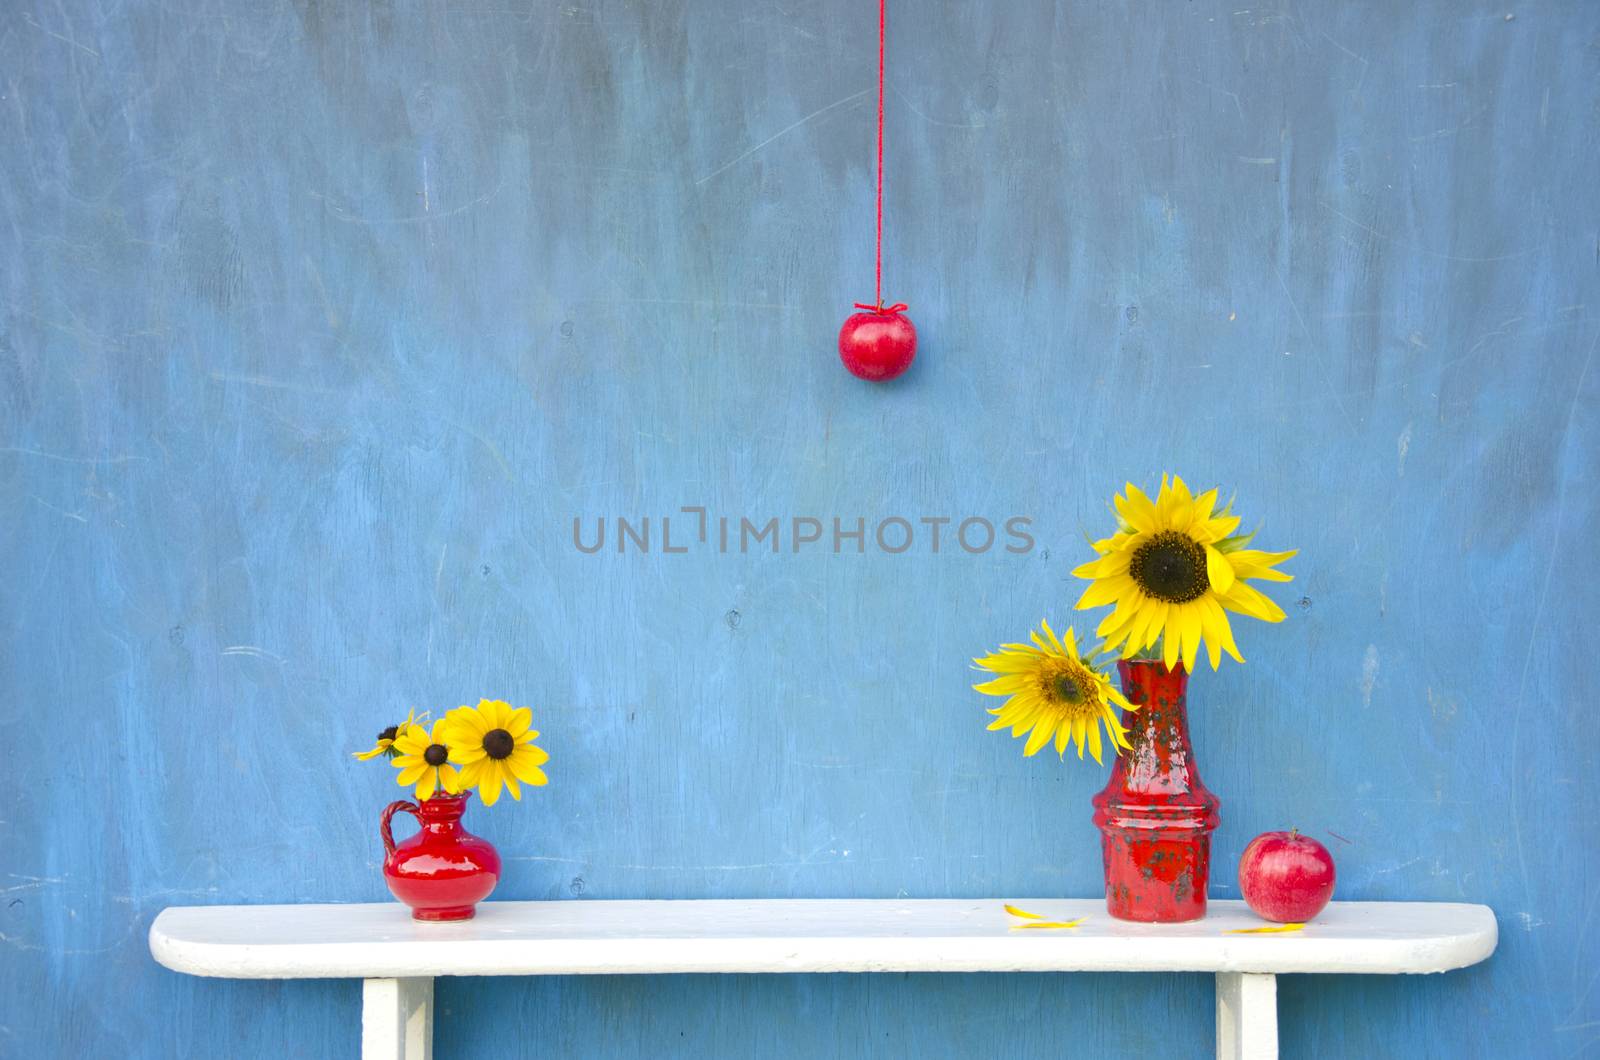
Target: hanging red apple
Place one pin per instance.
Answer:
(878, 344)
(1286, 877)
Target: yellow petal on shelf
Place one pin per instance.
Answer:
(1277, 929)
(1050, 924)
(1014, 911)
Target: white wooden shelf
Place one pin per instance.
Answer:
(399, 957)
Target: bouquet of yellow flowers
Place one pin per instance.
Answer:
(488, 747)
(1172, 571)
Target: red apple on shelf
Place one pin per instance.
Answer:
(1286, 877)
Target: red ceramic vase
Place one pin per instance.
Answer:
(1155, 816)
(443, 871)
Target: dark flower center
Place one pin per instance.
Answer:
(1068, 685)
(436, 754)
(497, 743)
(389, 733)
(1171, 567)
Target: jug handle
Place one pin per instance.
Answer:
(388, 815)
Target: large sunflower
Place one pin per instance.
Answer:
(423, 760)
(1174, 568)
(1053, 692)
(494, 745)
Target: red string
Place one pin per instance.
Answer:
(878, 281)
(878, 306)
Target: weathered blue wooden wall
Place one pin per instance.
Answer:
(320, 322)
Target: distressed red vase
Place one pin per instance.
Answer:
(443, 871)
(1155, 816)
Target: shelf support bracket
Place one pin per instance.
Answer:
(1247, 1016)
(397, 1019)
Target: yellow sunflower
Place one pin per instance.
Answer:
(386, 738)
(1173, 569)
(494, 745)
(424, 761)
(1053, 691)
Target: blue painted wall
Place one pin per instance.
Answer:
(320, 322)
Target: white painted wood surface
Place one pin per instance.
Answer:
(801, 935)
(398, 957)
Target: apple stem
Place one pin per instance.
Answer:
(1293, 832)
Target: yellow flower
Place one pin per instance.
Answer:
(386, 738)
(1053, 692)
(1173, 569)
(493, 744)
(424, 761)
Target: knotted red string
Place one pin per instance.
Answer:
(877, 305)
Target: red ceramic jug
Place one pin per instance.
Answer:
(1155, 815)
(443, 871)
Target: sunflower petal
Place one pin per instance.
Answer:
(1042, 731)
(1247, 600)
(489, 786)
(1218, 570)
(1104, 591)
(521, 720)
(472, 719)
(1137, 509)
(1191, 634)
(1055, 642)
(1169, 648)
(526, 769)
(1158, 624)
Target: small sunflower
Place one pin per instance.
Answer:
(1053, 691)
(1173, 569)
(386, 738)
(424, 761)
(494, 745)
